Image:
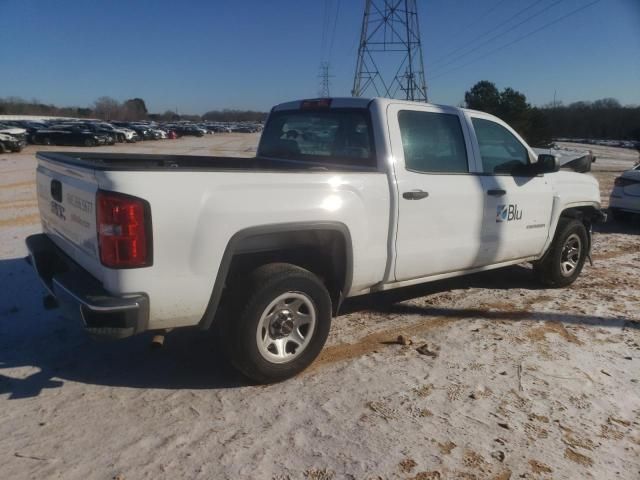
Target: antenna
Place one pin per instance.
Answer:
(390, 39)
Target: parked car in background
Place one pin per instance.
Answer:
(186, 130)
(625, 196)
(143, 132)
(20, 134)
(67, 135)
(122, 134)
(110, 134)
(30, 127)
(9, 143)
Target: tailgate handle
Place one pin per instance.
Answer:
(496, 193)
(56, 190)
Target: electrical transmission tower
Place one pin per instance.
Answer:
(323, 91)
(390, 41)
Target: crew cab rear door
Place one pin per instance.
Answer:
(440, 200)
(517, 200)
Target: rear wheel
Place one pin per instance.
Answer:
(46, 141)
(280, 322)
(562, 264)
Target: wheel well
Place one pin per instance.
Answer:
(586, 214)
(321, 248)
(323, 252)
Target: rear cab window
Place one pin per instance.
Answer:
(336, 136)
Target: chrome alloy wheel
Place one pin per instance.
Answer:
(286, 327)
(570, 256)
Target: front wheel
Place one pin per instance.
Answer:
(282, 320)
(562, 264)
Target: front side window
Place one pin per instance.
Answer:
(337, 136)
(500, 150)
(432, 142)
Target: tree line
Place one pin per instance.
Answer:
(107, 108)
(604, 119)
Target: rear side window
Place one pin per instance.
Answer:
(339, 136)
(432, 142)
(500, 150)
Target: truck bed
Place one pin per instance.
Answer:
(152, 162)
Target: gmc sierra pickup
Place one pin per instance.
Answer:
(346, 196)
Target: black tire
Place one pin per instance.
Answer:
(553, 269)
(2, 148)
(249, 300)
(89, 142)
(46, 141)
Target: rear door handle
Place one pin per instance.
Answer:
(496, 193)
(415, 195)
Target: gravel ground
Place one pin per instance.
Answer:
(496, 379)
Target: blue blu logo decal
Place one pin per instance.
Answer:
(501, 214)
(507, 213)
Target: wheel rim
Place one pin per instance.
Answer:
(286, 327)
(570, 256)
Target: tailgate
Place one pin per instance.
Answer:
(66, 200)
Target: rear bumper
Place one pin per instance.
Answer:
(82, 297)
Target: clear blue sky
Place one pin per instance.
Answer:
(199, 55)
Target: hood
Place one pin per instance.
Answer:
(574, 187)
(577, 160)
(6, 138)
(13, 131)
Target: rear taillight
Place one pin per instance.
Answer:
(623, 182)
(124, 230)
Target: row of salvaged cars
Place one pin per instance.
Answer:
(15, 134)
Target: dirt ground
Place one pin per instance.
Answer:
(501, 380)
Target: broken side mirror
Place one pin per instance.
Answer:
(547, 163)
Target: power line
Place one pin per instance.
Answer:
(325, 24)
(481, 44)
(519, 39)
(485, 14)
(474, 39)
(335, 24)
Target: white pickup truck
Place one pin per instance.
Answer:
(346, 196)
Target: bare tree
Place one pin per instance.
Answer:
(107, 108)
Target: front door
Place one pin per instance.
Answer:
(518, 204)
(440, 201)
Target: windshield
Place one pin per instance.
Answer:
(338, 136)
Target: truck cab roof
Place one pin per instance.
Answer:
(355, 102)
